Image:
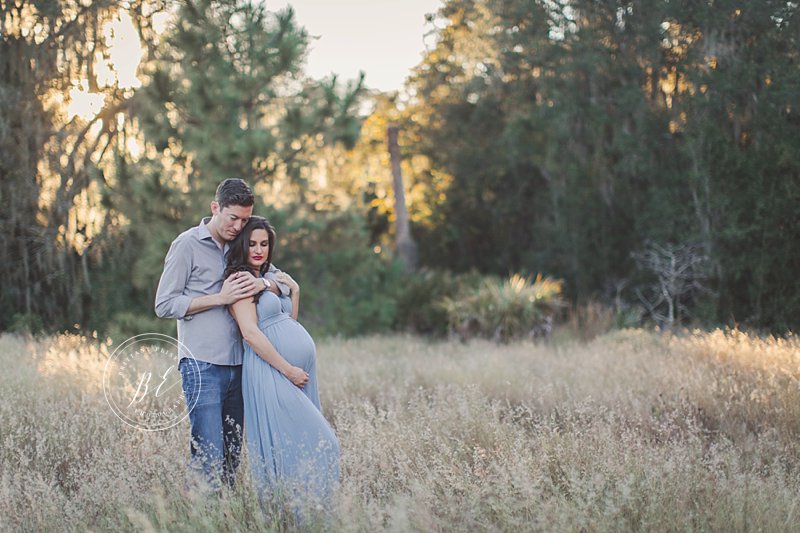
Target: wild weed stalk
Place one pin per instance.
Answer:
(632, 431)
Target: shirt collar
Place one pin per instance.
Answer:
(202, 229)
(204, 234)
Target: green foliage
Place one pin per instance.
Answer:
(588, 320)
(563, 135)
(26, 323)
(579, 133)
(227, 98)
(346, 288)
(505, 310)
(50, 161)
(125, 325)
(419, 308)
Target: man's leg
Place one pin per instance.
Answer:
(203, 386)
(233, 423)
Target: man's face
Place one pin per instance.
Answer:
(230, 219)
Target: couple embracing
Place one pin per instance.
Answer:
(253, 364)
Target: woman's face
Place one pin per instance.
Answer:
(258, 248)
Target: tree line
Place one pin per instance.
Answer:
(644, 152)
(583, 136)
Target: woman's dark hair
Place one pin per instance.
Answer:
(238, 248)
(234, 191)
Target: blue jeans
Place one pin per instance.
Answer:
(216, 418)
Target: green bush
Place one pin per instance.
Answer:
(26, 323)
(419, 308)
(505, 309)
(346, 287)
(125, 325)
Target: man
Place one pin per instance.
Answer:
(191, 290)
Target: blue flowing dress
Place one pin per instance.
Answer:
(291, 447)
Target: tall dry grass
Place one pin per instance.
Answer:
(632, 431)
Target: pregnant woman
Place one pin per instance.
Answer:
(292, 449)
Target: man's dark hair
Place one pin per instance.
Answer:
(234, 191)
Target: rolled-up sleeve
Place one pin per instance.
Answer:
(171, 302)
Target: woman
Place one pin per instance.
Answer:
(291, 446)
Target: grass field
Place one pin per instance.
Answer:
(633, 431)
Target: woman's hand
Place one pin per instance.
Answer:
(297, 375)
(287, 280)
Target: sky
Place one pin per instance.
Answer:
(383, 38)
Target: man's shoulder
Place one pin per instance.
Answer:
(186, 238)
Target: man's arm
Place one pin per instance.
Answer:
(170, 300)
(205, 302)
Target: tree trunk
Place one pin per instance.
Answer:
(406, 247)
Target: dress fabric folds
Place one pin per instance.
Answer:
(292, 449)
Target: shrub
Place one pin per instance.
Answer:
(26, 323)
(125, 325)
(592, 318)
(419, 308)
(505, 310)
(346, 287)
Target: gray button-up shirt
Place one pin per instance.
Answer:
(194, 267)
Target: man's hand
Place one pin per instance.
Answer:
(239, 285)
(298, 376)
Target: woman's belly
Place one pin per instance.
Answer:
(293, 342)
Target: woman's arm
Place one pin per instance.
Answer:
(295, 297)
(244, 312)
